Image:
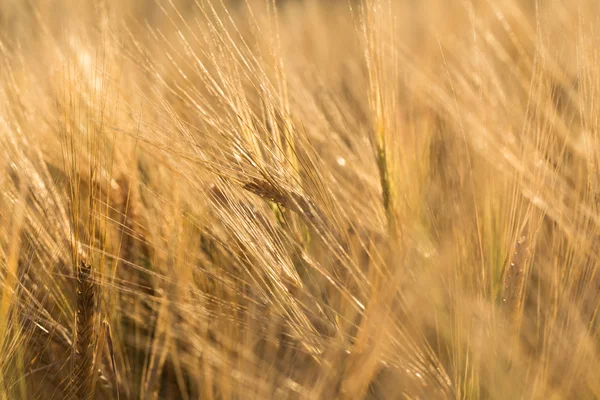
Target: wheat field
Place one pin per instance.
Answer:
(300, 199)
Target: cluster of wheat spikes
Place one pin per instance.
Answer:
(261, 199)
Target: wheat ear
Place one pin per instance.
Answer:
(85, 332)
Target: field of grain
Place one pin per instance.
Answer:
(299, 199)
